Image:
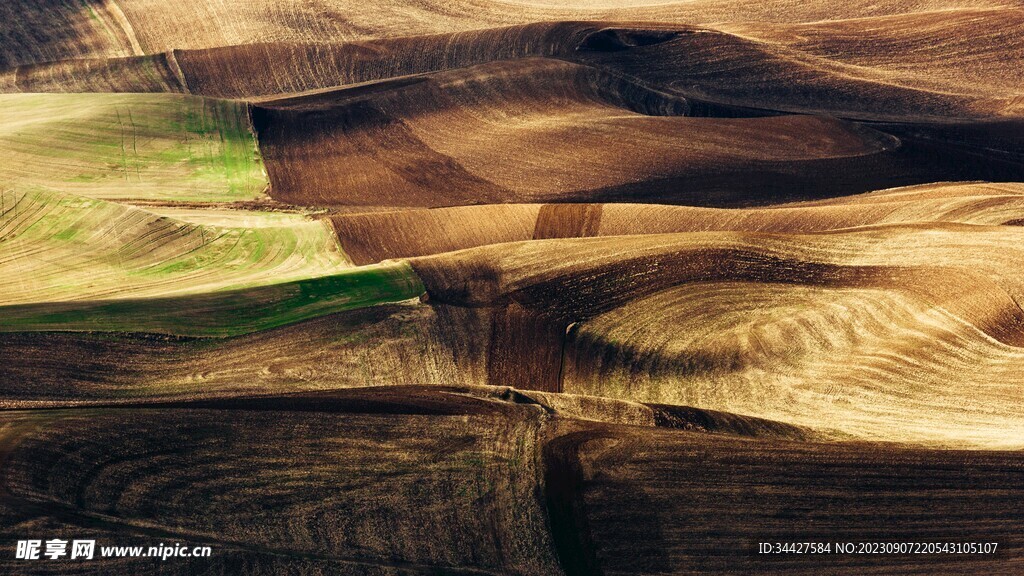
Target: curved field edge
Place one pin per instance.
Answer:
(370, 237)
(225, 313)
(58, 247)
(537, 492)
(239, 69)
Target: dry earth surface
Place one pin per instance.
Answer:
(512, 287)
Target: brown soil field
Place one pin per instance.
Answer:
(458, 465)
(375, 236)
(401, 137)
(512, 287)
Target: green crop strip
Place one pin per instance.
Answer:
(225, 313)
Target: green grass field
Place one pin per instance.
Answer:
(57, 247)
(76, 255)
(153, 147)
(225, 313)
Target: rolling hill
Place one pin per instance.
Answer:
(512, 287)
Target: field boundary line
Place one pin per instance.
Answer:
(126, 27)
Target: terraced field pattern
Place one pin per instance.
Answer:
(512, 287)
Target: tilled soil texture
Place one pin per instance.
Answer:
(596, 287)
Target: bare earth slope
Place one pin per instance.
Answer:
(512, 287)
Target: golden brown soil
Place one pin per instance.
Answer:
(512, 287)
